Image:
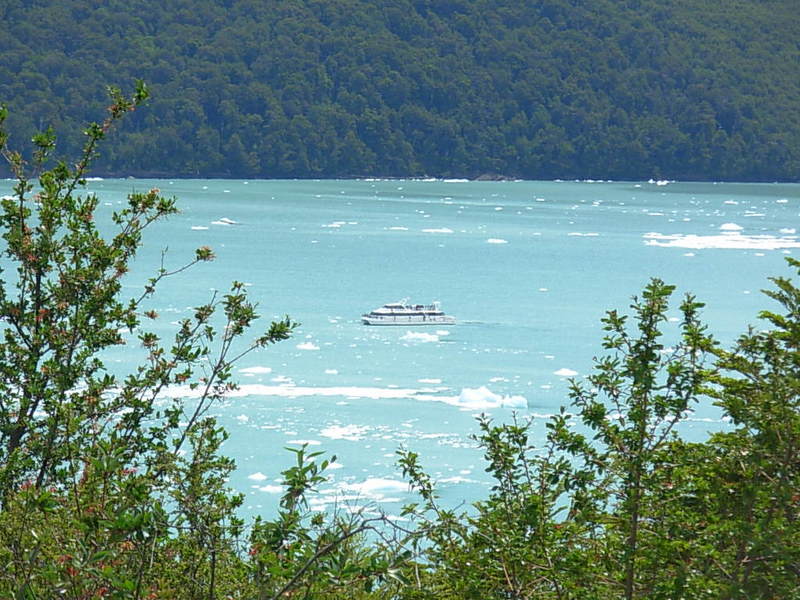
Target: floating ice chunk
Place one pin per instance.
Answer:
(420, 337)
(496, 241)
(307, 346)
(257, 476)
(352, 433)
(730, 227)
(256, 370)
(456, 479)
(564, 372)
(483, 398)
(375, 485)
(727, 240)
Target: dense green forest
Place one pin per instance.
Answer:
(686, 89)
(106, 491)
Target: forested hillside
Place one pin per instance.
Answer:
(685, 89)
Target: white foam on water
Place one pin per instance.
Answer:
(351, 433)
(788, 230)
(199, 227)
(431, 381)
(331, 372)
(730, 240)
(496, 241)
(579, 234)
(398, 228)
(438, 230)
(243, 418)
(564, 372)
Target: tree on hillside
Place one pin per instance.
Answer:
(107, 487)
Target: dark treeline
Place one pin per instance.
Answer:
(689, 89)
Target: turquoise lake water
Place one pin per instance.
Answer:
(527, 268)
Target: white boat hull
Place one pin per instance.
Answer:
(407, 320)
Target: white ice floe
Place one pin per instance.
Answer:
(307, 346)
(727, 240)
(496, 241)
(375, 486)
(482, 398)
(419, 337)
(351, 433)
(255, 370)
(438, 230)
(456, 479)
(564, 372)
(469, 398)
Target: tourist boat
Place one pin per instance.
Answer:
(403, 313)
